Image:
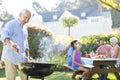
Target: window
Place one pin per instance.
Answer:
(83, 14)
(83, 21)
(94, 20)
(55, 17)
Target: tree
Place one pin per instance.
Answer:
(38, 8)
(69, 20)
(5, 18)
(67, 4)
(4, 15)
(63, 5)
(112, 4)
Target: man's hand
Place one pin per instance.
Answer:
(15, 48)
(30, 59)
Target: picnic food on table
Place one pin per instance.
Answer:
(88, 55)
(101, 56)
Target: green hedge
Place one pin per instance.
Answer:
(35, 36)
(59, 59)
(1, 47)
(90, 42)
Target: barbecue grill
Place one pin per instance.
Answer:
(37, 69)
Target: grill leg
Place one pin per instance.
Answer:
(42, 78)
(27, 77)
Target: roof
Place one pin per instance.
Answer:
(48, 16)
(106, 14)
(87, 12)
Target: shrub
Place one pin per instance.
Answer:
(35, 38)
(59, 59)
(89, 47)
(61, 43)
(1, 47)
(90, 42)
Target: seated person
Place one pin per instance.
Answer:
(70, 53)
(101, 42)
(104, 49)
(115, 50)
(76, 61)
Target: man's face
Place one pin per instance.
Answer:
(101, 42)
(24, 17)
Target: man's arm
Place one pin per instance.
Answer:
(12, 45)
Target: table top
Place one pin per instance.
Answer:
(101, 59)
(89, 61)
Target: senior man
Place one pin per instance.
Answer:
(15, 45)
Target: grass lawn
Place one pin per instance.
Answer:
(57, 76)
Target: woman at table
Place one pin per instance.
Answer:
(76, 61)
(115, 50)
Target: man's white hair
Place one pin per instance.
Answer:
(113, 40)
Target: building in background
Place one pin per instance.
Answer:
(92, 21)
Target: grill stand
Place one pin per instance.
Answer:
(27, 77)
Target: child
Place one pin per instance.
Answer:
(70, 53)
(76, 61)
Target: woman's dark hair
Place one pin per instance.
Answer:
(72, 43)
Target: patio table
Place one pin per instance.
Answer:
(97, 62)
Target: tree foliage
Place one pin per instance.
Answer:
(115, 18)
(67, 5)
(63, 5)
(35, 36)
(38, 8)
(69, 20)
(112, 4)
(6, 17)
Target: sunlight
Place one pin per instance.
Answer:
(48, 3)
(72, 0)
(14, 6)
